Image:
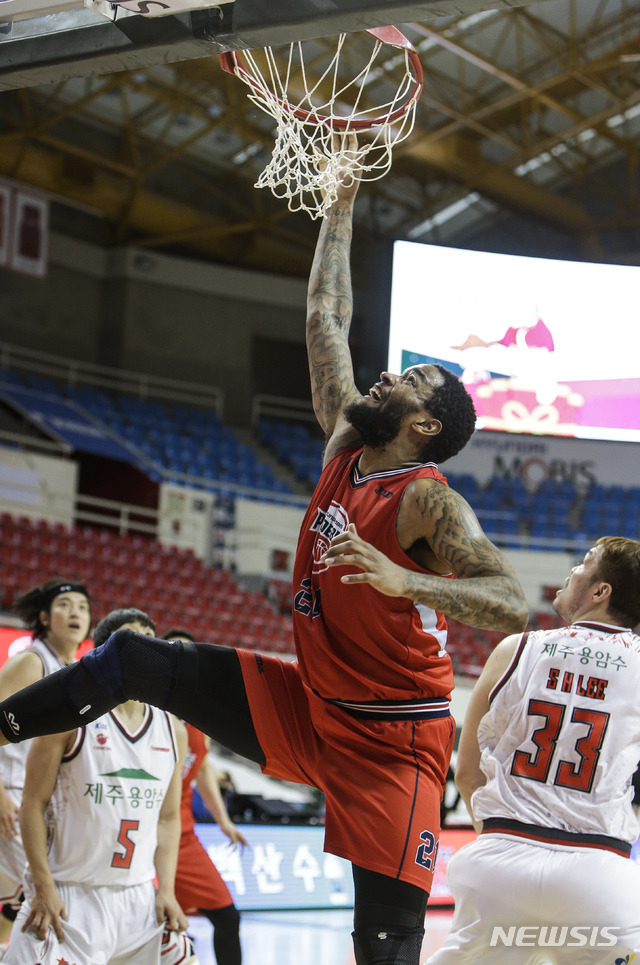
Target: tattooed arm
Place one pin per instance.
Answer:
(487, 592)
(329, 309)
(438, 529)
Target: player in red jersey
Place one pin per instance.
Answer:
(363, 715)
(199, 887)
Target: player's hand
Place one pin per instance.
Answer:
(8, 815)
(349, 549)
(234, 835)
(47, 910)
(169, 912)
(347, 188)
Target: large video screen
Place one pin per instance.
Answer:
(547, 347)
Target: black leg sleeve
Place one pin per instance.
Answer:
(388, 919)
(45, 708)
(200, 683)
(129, 665)
(226, 934)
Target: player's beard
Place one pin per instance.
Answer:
(377, 425)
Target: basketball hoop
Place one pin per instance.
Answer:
(315, 116)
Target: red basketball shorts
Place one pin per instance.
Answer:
(383, 780)
(198, 881)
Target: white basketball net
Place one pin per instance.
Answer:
(313, 151)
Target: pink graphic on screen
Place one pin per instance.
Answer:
(544, 346)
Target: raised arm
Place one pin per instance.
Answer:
(329, 310)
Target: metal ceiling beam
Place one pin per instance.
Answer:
(460, 156)
(456, 156)
(503, 111)
(534, 92)
(146, 154)
(460, 159)
(154, 215)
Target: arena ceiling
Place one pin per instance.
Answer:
(529, 112)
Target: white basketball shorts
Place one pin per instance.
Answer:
(523, 903)
(106, 926)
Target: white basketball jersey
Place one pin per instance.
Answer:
(103, 815)
(13, 757)
(561, 740)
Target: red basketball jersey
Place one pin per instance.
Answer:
(196, 752)
(353, 642)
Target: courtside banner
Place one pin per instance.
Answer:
(66, 422)
(285, 867)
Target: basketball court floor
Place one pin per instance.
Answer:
(304, 937)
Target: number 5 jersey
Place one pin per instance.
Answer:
(103, 815)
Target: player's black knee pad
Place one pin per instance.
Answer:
(132, 666)
(373, 946)
(128, 666)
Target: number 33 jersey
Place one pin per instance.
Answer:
(102, 819)
(561, 740)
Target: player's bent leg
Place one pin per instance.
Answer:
(200, 683)
(226, 934)
(209, 692)
(88, 689)
(388, 919)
